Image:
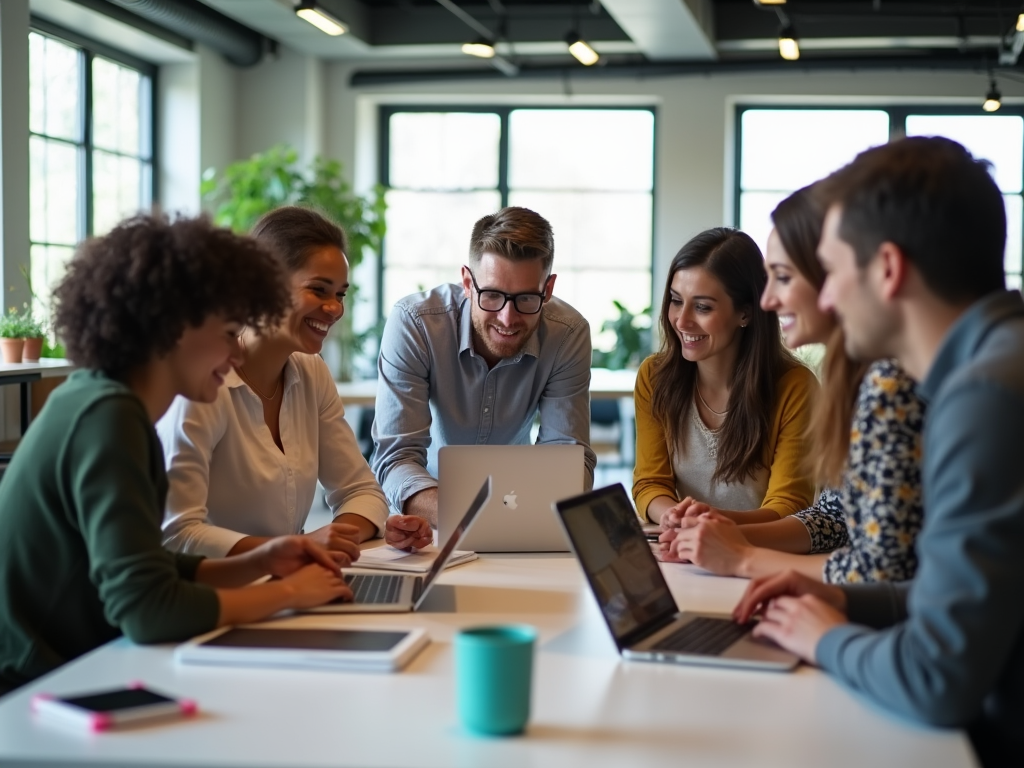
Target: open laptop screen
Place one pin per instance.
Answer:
(618, 561)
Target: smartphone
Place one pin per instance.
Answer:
(103, 710)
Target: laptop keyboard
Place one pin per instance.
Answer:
(704, 636)
(374, 589)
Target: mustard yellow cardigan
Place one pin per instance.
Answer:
(790, 488)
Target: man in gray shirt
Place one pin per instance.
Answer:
(474, 364)
(913, 247)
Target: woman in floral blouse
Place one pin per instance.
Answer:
(865, 522)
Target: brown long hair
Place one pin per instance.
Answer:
(798, 220)
(733, 259)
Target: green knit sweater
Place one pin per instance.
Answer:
(80, 555)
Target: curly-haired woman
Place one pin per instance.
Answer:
(149, 312)
(245, 466)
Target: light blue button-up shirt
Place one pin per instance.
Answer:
(435, 390)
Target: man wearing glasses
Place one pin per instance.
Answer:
(473, 364)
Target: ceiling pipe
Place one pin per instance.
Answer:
(948, 62)
(191, 19)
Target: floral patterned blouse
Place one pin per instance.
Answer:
(871, 522)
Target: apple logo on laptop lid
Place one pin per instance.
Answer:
(510, 500)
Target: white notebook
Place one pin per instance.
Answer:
(387, 558)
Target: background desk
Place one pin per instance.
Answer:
(604, 385)
(590, 709)
(25, 373)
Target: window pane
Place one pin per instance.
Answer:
(428, 238)
(53, 191)
(583, 237)
(115, 107)
(1014, 233)
(997, 138)
(756, 214)
(450, 150)
(581, 149)
(116, 189)
(591, 294)
(785, 149)
(54, 85)
(48, 266)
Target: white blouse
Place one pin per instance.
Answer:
(228, 479)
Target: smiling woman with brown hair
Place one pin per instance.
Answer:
(722, 409)
(245, 467)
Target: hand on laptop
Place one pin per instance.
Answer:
(283, 555)
(796, 611)
(338, 537)
(408, 532)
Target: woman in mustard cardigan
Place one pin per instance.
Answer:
(722, 408)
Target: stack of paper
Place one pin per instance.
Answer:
(390, 559)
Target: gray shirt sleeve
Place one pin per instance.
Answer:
(401, 425)
(565, 405)
(963, 610)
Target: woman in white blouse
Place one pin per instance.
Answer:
(244, 468)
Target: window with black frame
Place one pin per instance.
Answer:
(90, 146)
(589, 171)
(780, 149)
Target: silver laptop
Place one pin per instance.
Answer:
(635, 599)
(397, 593)
(527, 479)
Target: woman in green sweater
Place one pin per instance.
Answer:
(150, 311)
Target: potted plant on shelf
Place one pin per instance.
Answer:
(34, 335)
(246, 190)
(12, 336)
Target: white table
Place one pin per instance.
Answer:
(25, 373)
(590, 709)
(604, 385)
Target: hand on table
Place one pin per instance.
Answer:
(337, 537)
(796, 611)
(408, 532)
(688, 507)
(712, 541)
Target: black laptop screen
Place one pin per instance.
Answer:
(617, 559)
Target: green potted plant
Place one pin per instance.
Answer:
(246, 190)
(632, 339)
(34, 335)
(12, 336)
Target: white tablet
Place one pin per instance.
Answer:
(368, 650)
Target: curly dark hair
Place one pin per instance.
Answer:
(128, 296)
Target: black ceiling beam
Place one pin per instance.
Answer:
(918, 61)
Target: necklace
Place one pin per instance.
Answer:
(705, 404)
(241, 372)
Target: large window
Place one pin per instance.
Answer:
(590, 172)
(781, 150)
(90, 146)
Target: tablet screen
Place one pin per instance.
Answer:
(307, 639)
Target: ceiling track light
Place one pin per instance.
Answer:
(581, 49)
(789, 48)
(481, 48)
(309, 11)
(769, 2)
(993, 99)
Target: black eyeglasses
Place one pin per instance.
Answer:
(490, 300)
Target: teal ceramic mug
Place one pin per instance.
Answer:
(493, 672)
